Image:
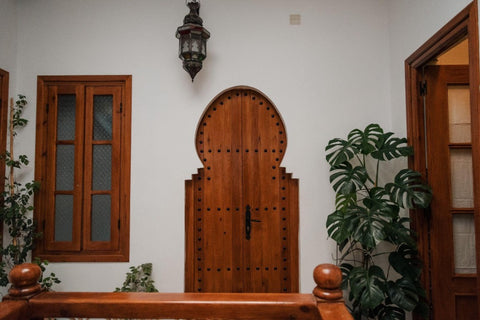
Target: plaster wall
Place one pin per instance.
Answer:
(341, 68)
(412, 23)
(8, 40)
(326, 76)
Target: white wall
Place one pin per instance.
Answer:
(8, 43)
(411, 24)
(326, 76)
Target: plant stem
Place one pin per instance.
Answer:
(10, 176)
(11, 179)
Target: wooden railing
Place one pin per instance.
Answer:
(27, 301)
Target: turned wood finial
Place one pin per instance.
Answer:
(328, 278)
(24, 278)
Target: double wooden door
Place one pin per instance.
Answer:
(452, 143)
(241, 207)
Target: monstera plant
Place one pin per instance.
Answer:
(377, 251)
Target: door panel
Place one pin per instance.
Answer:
(242, 214)
(450, 173)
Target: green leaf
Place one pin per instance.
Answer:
(403, 293)
(405, 261)
(408, 190)
(339, 151)
(341, 224)
(367, 140)
(380, 204)
(389, 147)
(369, 230)
(346, 179)
(345, 201)
(367, 286)
(390, 312)
(346, 268)
(398, 232)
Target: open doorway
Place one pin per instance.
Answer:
(443, 124)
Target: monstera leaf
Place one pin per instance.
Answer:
(380, 204)
(347, 179)
(366, 141)
(390, 313)
(389, 147)
(345, 201)
(367, 214)
(339, 151)
(370, 228)
(367, 286)
(403, 293)
(341, 224)
(406, 262)
(398, 232)
(408, 191)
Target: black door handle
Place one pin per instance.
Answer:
(248, 222)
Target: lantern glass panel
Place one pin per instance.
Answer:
(185, 45)
(196, 45)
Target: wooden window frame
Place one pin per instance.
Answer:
(116, 250)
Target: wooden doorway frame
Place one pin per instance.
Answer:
(463, 25)
(4, 80)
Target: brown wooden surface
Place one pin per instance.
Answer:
(447, 286)
(14, 310)
(29, 302)
(241, 141)
(464, 24)
(81, 248)
(4, 76)
(174, 305)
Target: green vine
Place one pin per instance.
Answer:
(16, 209)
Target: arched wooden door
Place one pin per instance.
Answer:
(241, 207)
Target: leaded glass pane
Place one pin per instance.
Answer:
(65, 163)
(63, 217)
(66, 116)
(102, 117)
(102, 167)
(464, 243)
(101, 217)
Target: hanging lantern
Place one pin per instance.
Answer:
(193, 40)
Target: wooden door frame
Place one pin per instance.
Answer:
(4, 79)
(463, 25)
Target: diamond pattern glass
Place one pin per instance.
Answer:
(63, 217)
(102, 117)
(66, 117)
(102, 167)
(65, 162)
(101, 205)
